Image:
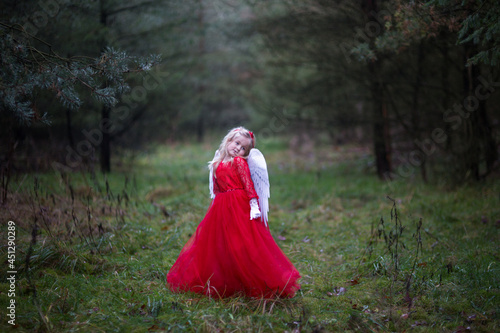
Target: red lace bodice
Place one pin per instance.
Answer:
(232, 176)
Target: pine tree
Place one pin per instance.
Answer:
(29, 65)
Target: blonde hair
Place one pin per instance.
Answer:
(223, 154)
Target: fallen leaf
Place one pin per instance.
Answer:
(354, 281)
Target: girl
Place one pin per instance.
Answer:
(232, 251)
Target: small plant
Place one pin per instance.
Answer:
(399, 259)
(393, 240)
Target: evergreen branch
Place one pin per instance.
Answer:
(22, 30)
(30, 67)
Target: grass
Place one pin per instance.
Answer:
(99, 256)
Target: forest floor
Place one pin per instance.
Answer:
(102, 246)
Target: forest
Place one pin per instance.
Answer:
(380, 125)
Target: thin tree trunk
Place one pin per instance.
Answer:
(482, 151)
(106, 142)
(490, 147)
(445, 82)
(200, 126)
(105, 146)
(471, 155)
(69, 129)
(415, 112)
(381, 134)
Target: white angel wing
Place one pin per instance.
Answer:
(211, 177)
(258, 170)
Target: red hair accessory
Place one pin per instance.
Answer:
(251, 134)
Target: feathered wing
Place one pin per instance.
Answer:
(258, 170)
(211, 177)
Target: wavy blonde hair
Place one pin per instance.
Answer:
(230, 136)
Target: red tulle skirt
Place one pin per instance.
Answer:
(230, 254)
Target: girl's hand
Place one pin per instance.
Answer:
(254, 209)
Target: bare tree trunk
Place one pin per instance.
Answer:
(105, 146)
(490, 147)
(415, 112)
(105, 157)
(445, 82)
(381, 134)
(469, 145)
(200, 126)
(5, 173)
(481, 152)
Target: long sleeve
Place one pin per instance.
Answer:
(216, 186)
(245, 177)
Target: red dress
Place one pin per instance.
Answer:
(229, 253)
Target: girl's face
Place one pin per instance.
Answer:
(238, 146)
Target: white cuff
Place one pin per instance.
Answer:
(254, 209)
